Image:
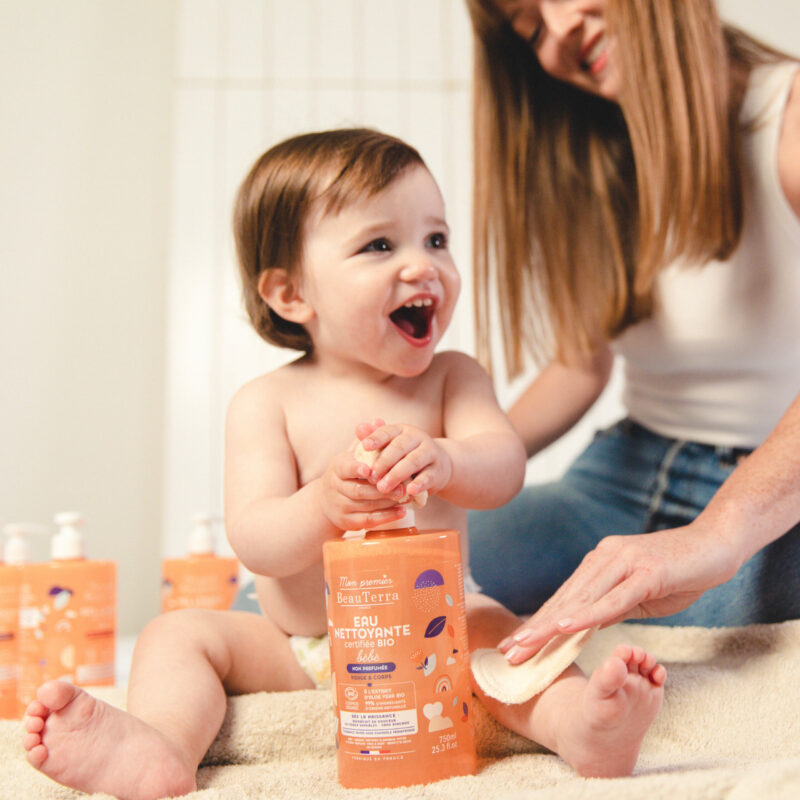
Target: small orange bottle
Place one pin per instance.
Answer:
(16, 554)
(67, 615)
(203, 579)
(399, 657)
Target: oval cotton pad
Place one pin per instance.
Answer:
(517, 683)
(369, 457)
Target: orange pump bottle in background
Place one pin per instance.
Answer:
(67, 615)
(202, 579)
(399, 657)
(16, 554)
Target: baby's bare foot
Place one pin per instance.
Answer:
(603, 736)
(89, 745)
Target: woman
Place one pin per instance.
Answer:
(637, 169)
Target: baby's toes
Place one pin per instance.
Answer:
(31, 740)
(37, 756)
(610, 676)
(658, 675)
(55, 695)
(648, 665)
(626, 653)
(638, 656)
(650, 668)
(36, 709)
(34, 724)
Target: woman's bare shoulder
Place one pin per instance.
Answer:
(789, 148)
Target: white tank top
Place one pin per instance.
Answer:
(719, 362)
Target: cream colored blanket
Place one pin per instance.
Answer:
(729, 728)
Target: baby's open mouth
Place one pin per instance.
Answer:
(414, 317)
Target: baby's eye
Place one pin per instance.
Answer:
(377, 246)
(438, 241)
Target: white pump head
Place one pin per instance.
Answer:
(68, 541)
(201, 540)
(404, 522)
(17, 549)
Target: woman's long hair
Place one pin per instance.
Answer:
(578, 201)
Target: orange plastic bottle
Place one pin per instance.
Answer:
(67, 615)
(399, 657)
(203, 579)
(15, 555)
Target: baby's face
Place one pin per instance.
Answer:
(380, 278)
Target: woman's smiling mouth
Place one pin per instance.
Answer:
(595, 57)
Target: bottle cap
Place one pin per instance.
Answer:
(17, 549)
(404, 522)
(68, 542)
(201, 541)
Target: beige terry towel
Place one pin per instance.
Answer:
(729, 728)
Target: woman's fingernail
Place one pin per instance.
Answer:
(523, 637)
(512, 653)
(565, 623)
(507, 642)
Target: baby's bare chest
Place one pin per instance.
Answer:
(321, 426)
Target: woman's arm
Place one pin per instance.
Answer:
(760, 501)
(661, 573)
(557, 398)
(789, 148)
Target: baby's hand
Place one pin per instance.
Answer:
(407, 455)
(350, 501)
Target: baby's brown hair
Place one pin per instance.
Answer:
(336, 168)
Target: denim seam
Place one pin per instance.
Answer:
(662, 481)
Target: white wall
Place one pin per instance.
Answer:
(776, 22)
(84, 148)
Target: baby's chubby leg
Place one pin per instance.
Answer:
(184, 664)
(595, 724)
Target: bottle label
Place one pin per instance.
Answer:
(67, 623)
(9, 613)
(400, 660)
(199, 583)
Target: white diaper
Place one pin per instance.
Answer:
(314, 656)
(470, 584)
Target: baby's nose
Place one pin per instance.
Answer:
(420, 268)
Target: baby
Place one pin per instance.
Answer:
(343, 250)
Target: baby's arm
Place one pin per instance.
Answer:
(480, 460)
(275, 526)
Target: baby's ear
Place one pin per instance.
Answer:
(282, 295)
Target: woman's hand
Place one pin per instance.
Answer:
(407, 454)
(624, 577)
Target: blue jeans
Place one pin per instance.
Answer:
(629, 480)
